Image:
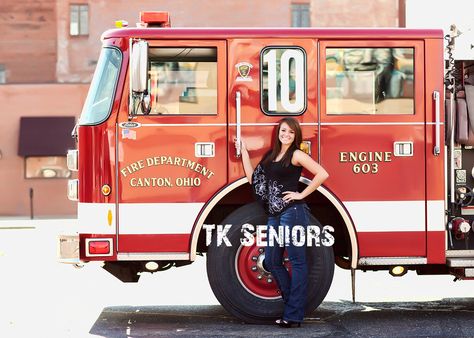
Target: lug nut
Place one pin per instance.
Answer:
(259, 277)
(261, 250)
(254, 268)
(269, 280)
(254, 258)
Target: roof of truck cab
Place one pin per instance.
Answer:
(314, 33)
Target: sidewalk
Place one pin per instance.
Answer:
(26, 223)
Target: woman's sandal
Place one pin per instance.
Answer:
(287, 323)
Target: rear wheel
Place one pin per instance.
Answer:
(241, 283)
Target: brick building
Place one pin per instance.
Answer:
(49, 50)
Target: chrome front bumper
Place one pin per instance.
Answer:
(68, 249)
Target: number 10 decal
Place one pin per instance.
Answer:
(283, 79)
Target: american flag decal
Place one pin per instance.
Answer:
(129, 133)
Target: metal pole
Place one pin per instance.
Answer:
(31, 204)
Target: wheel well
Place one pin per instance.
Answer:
(321, 207)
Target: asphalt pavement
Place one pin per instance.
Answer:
(42, 298)
(446, 318)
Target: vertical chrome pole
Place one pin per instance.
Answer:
(437, 146)
(451, 147)
(238, 124)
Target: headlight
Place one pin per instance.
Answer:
(72, 162)
(73, 190)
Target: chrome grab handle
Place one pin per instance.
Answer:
(437, 147)
(237, 120)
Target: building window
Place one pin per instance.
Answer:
(300, 15)
(44, 142)
(46, 167)
(79, 20)
(3, 74)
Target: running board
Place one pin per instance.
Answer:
(464, 262)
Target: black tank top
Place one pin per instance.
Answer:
(271, 180)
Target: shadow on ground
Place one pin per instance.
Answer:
(444, 318)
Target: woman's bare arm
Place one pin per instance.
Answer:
(247, 164)
(320, 175)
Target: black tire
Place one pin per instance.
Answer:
(235, 298)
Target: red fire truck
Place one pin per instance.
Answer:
(156, 160)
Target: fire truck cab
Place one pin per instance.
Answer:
(156, 160)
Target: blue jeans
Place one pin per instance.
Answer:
(293, 289)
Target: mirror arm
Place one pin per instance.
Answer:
(145, 103)
(139, 100)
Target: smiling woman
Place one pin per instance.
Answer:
(275, 185)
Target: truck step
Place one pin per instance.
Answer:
(464, 262)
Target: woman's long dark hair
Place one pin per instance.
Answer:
(272, 154)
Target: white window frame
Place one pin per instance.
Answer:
(299, 12)
(81, 26)
(3, 74)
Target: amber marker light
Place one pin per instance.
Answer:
(121, 23)
(109, 217)
(305, 146)
(106, 190)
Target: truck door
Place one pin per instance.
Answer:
(270, 79)
(373, 141)
(174, 159)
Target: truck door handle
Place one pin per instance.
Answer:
(437, 147)
(238, 123)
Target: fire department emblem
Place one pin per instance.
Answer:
(244, 70)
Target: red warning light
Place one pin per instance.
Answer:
(155, 19)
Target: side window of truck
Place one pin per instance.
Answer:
(183, 81)
(370, 81)
(283, 80)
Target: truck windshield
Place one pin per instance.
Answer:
(101, 92)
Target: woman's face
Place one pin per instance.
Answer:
(286, 135)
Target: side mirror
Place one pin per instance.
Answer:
(139, 97)
(139, 67)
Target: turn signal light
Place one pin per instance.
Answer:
(106, 190)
